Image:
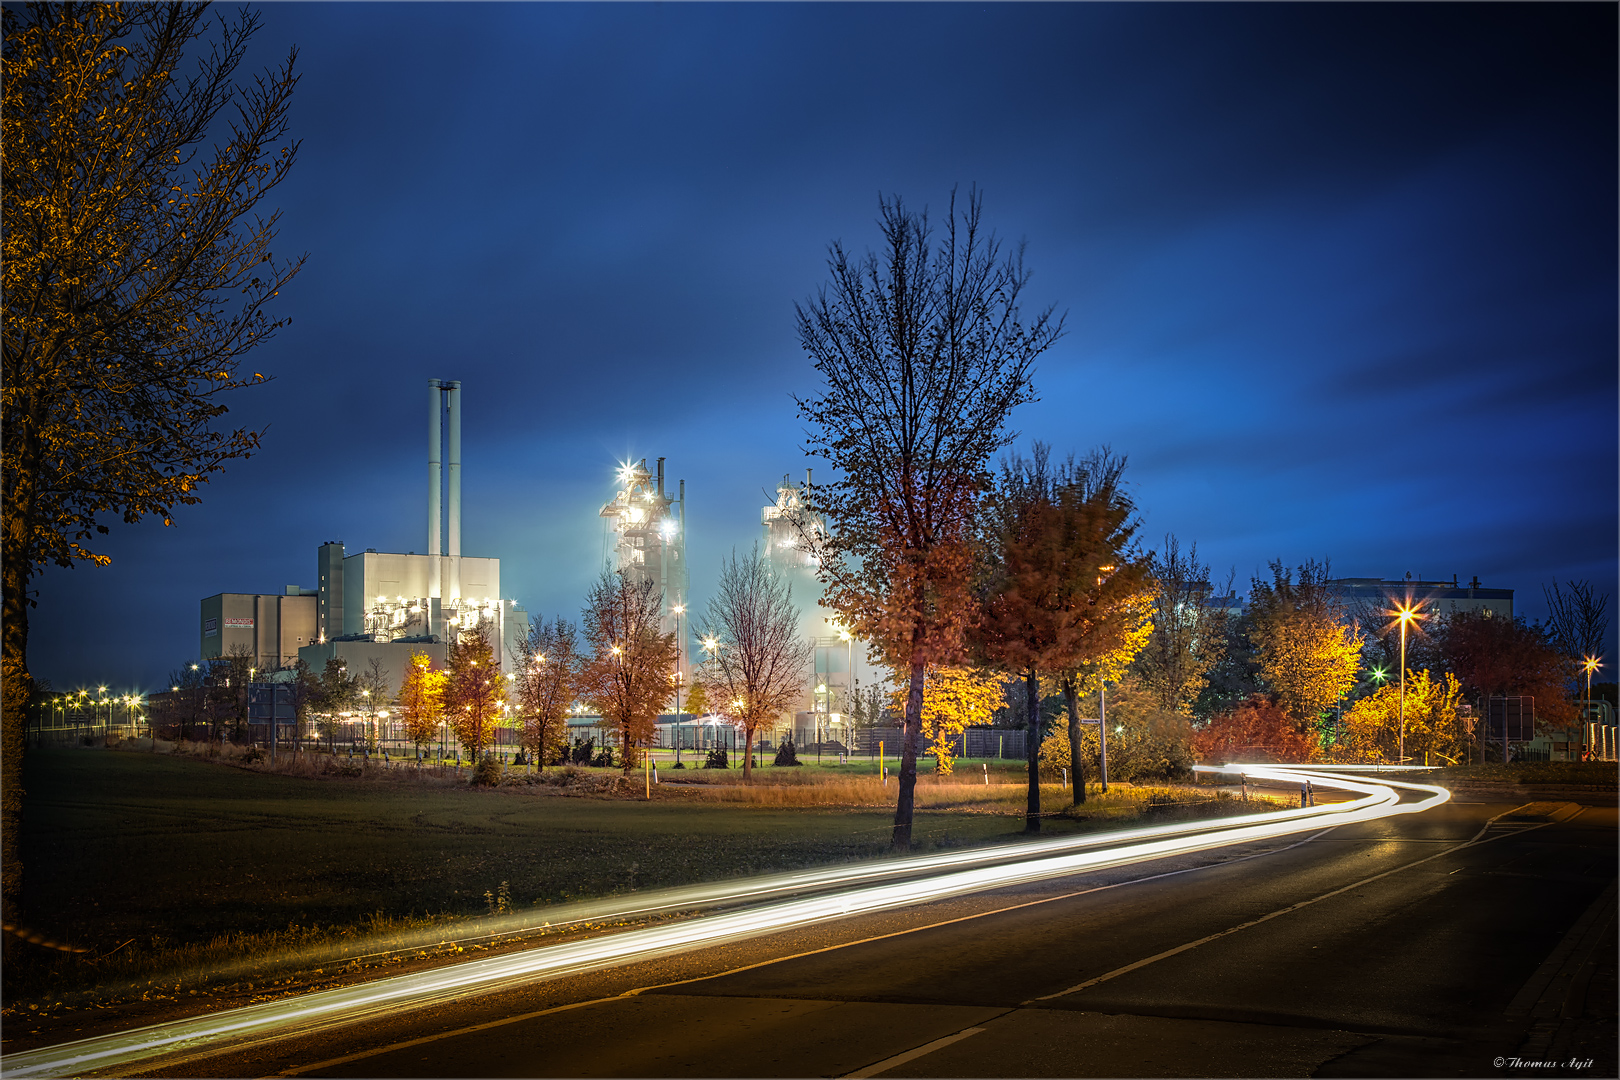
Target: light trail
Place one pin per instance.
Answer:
(240, 1028)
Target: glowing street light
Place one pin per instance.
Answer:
(1405, 615)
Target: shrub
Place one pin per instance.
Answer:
(582, 751)
(718, 759)
(786, 754)
(604, 759)
(487, 773)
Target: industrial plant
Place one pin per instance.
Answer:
(379, 605)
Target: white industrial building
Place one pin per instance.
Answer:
(380, 605)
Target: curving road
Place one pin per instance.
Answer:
(1415, 944)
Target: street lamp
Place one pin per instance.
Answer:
(1405, 615)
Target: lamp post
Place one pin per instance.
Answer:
(849, 681)
(1591, 664)
(1404, 615)
(679, 609)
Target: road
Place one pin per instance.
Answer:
(1419, 945)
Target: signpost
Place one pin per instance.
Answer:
(1511, 719)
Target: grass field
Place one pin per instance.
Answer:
(147, 858)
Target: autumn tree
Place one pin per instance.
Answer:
(547, 680)
(1064, 592)
(1309, 651)
(1435, 724)
(697, 700)
(373, 688)
(954, 699)
(626, 673)
(1495, 656)
(137, 273)
(755, 667)
(421, 699)
(473, 691)
(923, 356)
(1188, 634)
(1258, 730)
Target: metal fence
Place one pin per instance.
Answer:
(974, 742)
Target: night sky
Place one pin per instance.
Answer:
(1340, 280)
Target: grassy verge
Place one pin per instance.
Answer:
(162, 863)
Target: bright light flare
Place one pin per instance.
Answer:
(954, 874)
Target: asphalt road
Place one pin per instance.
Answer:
(1384, 949)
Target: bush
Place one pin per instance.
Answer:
(786, 754)
(718, 759)
(679, 765)
(603, 760)
(487, 773)
(582, 751)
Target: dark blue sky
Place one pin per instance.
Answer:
(1340, 279)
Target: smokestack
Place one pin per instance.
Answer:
(435, 524)
(455, 489)
(660, 478)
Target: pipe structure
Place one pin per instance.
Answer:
(435, 522)
(455, 489)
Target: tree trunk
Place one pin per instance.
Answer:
(908, 760)
(1077, 761)
(748, 754)
(1032, 699)
(16, 688)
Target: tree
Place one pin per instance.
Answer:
(335, 696)
(626, 675)
(473, 691)
(755, 663)
(1577, 619)
(1494, 656)
(1258, 730)
(923, 357)
(1188, 635)
(421, 699)
(953, 700)
(547, 681)
(1435, 724)
(136, 278)
(373, 687)
(188, 690)
(697, 700)
(1309, 653)
(1064, 593)
(305, 692)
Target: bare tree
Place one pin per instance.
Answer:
(923, 357)
(1577, 617)
(373, 684)
(627, 673)
(755, 667)
(548, 679)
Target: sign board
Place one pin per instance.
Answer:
(210, 627)
(239, 624)
(1516, 714)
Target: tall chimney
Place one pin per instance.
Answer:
(455, 490)
(660, 478)
(435, 522)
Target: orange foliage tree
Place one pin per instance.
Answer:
(1257, 730)
(421, 699)
(473, 691)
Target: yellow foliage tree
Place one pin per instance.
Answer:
(421, 699)
(953, 699)
(473, 692)
(1309, 650)
(1436, 729)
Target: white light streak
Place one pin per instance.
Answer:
(951, 874)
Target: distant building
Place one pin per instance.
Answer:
(379, 605)
(1437, 597)
(270, 627)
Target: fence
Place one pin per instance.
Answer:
(974, 742)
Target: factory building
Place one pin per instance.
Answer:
(839, 658)
(647, 531)
(1372, 596)
(382, 606)
(269, 627)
